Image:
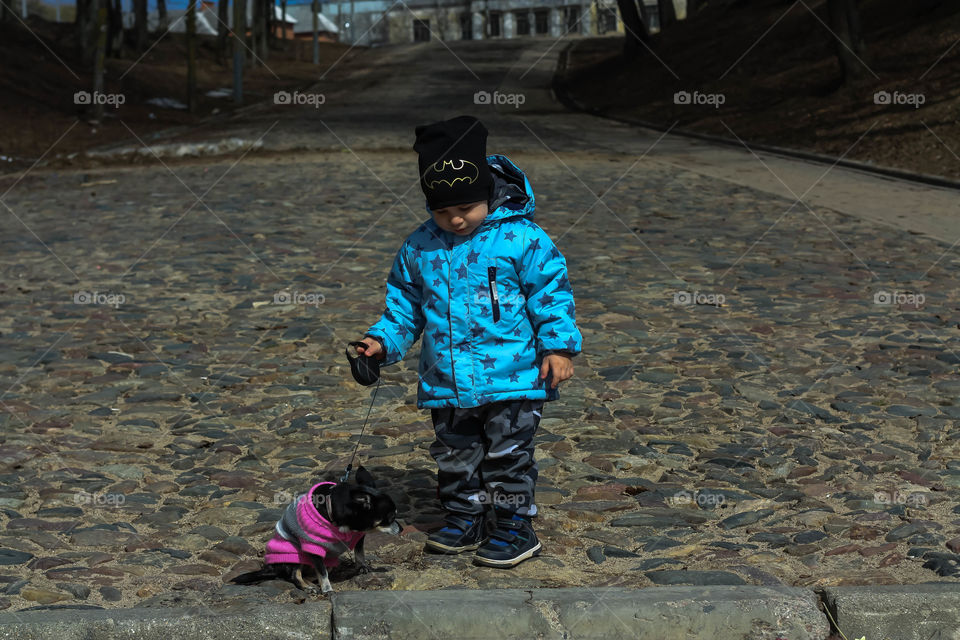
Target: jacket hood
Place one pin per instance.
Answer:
(512, 193)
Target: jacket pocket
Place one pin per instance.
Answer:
(494, 298)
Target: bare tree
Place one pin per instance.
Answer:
(115, 29)
(192, 56)
(668, 15)
(239, 34)
(316, 31)
(223, 8)
(844, 19)
(258, 32)
(162, 16)
(140, 23)
(636, 31)
(85, 24)
(100, 57)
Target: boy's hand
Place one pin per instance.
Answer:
(559, 367)
(373, 349)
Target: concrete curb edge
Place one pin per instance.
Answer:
(903, 612)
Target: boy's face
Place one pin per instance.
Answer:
(461, 219)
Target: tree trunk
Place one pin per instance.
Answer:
(162, 16)
(192, 56)
(140, 23)
(86, 28)
(668, 14)
(844, 20)
(115, 31)
(352, 26)
(316, 32)
(635, 26)
(100, 57)
(223, 8)
(267, 9)
(239, 31)
(257, 32)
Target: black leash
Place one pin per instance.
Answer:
(346, 475)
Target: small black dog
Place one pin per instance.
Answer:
(320, 526)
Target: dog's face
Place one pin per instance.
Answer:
(362, 507)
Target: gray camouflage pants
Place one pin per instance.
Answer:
(485, 456)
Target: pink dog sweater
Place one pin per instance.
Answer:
(303, 532)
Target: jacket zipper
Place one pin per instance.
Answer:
(494, 298)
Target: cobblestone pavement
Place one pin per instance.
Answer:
(766, 393)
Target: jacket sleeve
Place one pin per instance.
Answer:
(549, 298)
(402, 320)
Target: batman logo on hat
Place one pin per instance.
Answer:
(450, 172)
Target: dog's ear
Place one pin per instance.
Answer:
(364, 478)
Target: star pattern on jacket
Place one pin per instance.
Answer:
(440, 288)
(432, 299)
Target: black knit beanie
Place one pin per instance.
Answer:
(453, 162)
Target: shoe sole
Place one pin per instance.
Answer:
(436, 546)
(488, 562)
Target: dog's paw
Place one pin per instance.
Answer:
(364, 568)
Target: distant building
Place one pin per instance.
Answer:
(378, 22)
(303, 23)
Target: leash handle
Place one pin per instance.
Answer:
(346, 475)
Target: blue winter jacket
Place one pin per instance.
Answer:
(490, 304)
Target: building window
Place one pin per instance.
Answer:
(466, 26)
(542, 21)
(493, 24)
(523, 23)
(573, 19)
(421, 30)
(607, 17)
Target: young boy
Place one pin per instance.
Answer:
(488, 290)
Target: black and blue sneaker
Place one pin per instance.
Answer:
(511, 543)
(463, 532)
